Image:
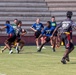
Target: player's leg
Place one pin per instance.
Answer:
(37, 43)
(66, 54)
(22, 43)
(58, 41)
(47, 39)
(9, 42)
(37, 34)
(2, 50)
(42, 41)
(17, 44)
(41, 46)
(66, 42)
(51, 42)
(8, 45)
(69, 48)
(54, 43)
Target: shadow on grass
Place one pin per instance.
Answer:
(72, 63)
(30, 53)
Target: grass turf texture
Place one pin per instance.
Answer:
(30, 62)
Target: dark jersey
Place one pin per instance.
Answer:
(18, 31)
(66, 25)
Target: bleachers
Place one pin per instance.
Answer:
(59, 8)
(25, 10)
(29, 10)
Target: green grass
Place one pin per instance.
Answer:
(29, 62)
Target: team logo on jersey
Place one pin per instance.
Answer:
(65, 24)
(53, 24)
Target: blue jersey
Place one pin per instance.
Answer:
(53, 26)
(9, 29)
(47, 31)
(38, 26)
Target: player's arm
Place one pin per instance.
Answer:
(71, 35)
(42, 33)
(33, 29)
(23, 32)
(74, 25)
(40, 36)
(58, 26)
(42, 26)
(54, 31)
(3, 27)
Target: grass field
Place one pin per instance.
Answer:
(29, 62)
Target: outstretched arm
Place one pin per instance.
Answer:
(54, 31)
(74, 25)
(33, 29)
(3, 27)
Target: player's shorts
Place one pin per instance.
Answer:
(37, 34)
(66, 39)
(18, 39)
(46, 38)
(11, 38)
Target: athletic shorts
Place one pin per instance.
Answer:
(46, 38)
(66, 39)
(18, 39)
(37, 34)
(11, 38)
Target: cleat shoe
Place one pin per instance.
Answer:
(51, 46)
(63, 61)
(67, 59)
(17, 50)
(54, 50)
(39, 51)
(10, 52)
(43, 48)
(2, 51)
(38, 47)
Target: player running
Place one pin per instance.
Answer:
(66, 35)
(11, 35)
(19, 32)
(47, 32)
(18, 41)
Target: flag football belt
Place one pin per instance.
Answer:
(67, 33)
